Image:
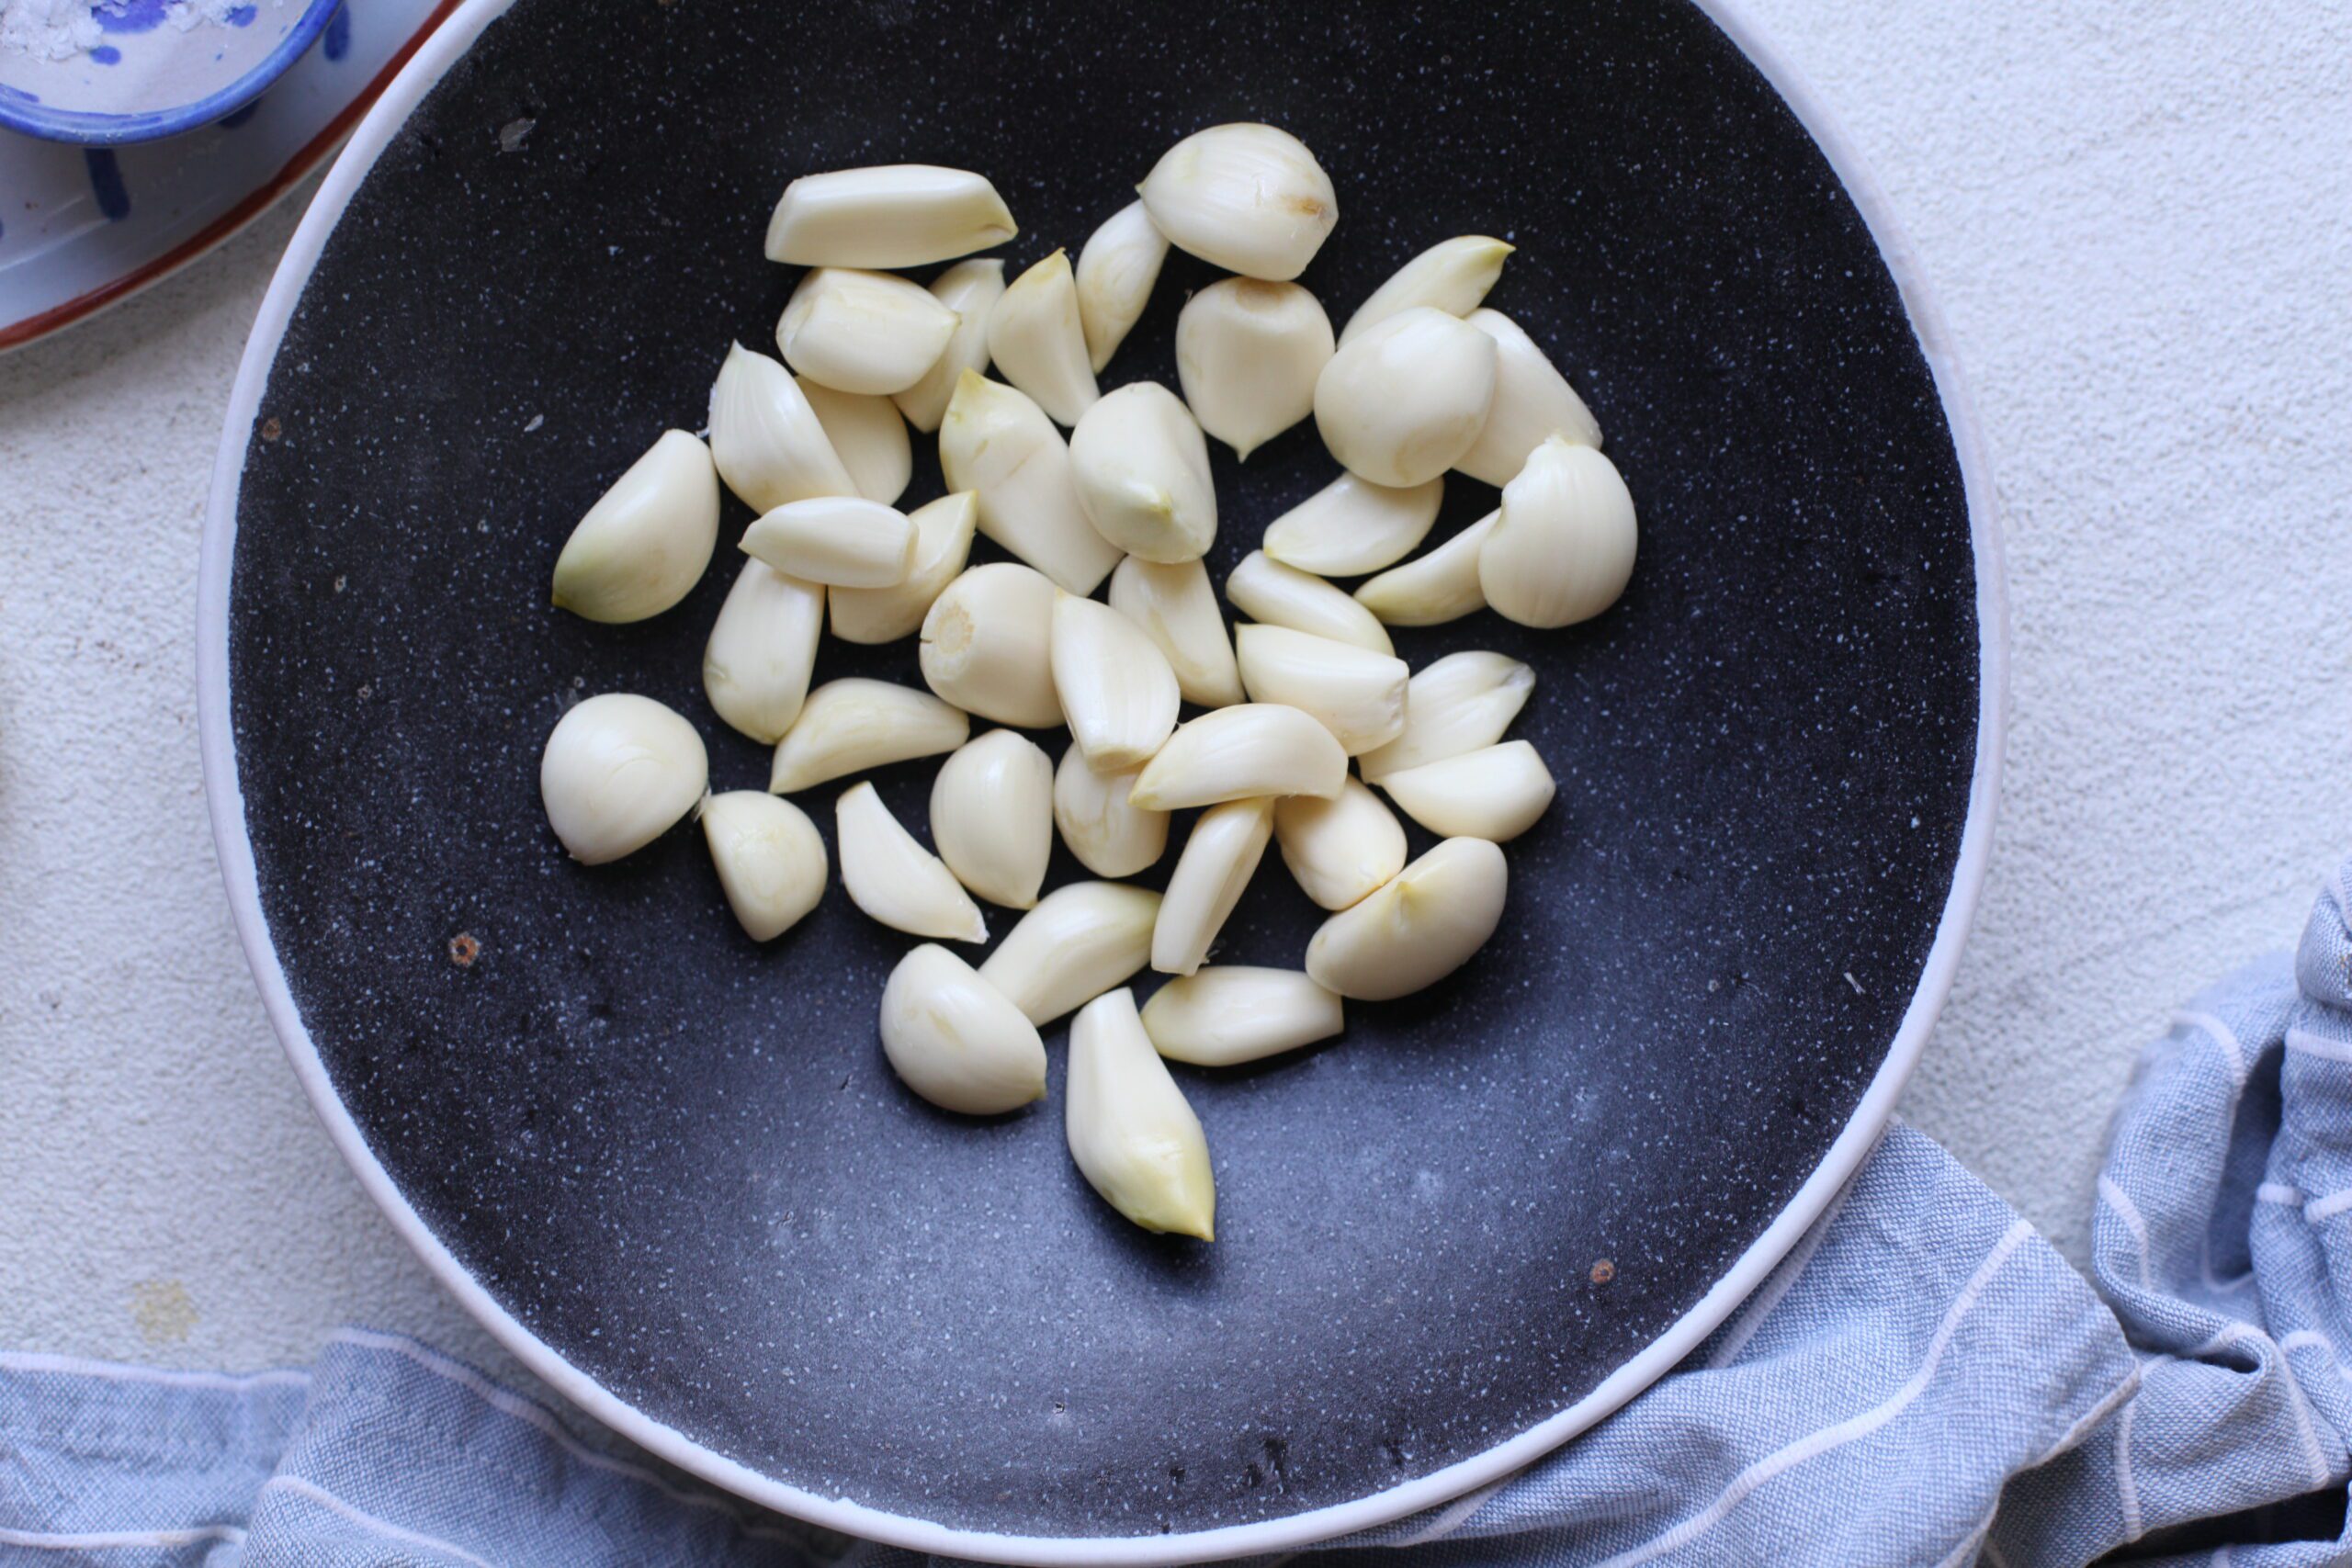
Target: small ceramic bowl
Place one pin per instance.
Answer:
(152, 68)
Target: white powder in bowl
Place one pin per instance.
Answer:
(48, 29)
(59, 29)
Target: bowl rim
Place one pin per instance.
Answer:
(1465, 1479)
(88, 128)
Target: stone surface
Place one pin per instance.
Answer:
(2128, 215)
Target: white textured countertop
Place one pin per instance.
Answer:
(2139, 220)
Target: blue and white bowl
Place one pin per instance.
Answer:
(112, 71)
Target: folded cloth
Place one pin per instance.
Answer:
(1923, 1381)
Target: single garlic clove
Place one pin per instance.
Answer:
(1250, 748)
(1249, 198)
(943, 543)
(1133, 1136)
(643, 546)
(1177, 608)
(1352, 526)
(1340, 848)
(1076, 944)
(850, 724)
(862, 332)
(1451, 275)
(835, 539)
(1495, 793)
(1279, 596)
(1038, 343)
(1000, 444)
(869, 437)
(1562, 549)
(1230, 1013)
(1116, 272)
(1142, 471)
(1407, 398)
(1441, 586)
(771, 861)
(886, 215)
(894, 879)
(1248, 354)
(618, 770)
(970, 289)
(992, 816)
(1110, 835)
(987, 646)
(1117, 691)
(1357, 694)
(755, 667)
(1418, 929)
(770, 447)
(1531, 400)
(955, 1040)
(1210, 877)
(1453, 705)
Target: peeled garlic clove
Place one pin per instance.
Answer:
(1531, 400)
(1562, 549)
(1495, 793)
(895, 879)
(1419, 928)
(1451, 275)
(1143, 474)
(1231, 1013)
(943, 543)
(1279, 596)
(1352, 526)
(850, 724)
(1250, 748)
(1249, 198)
(1118, 693)
(770, 447)
(1441, 586)
(996, 442)
(1453, 705)
(1407, 398)
(955, 1040)
(1177, 608)
(987, 646)
(886, 215)
(1248, 355)
(618, 771)
(970, 289)
(1340, 848)
(1210, 877)
(756, 665)
(1038, 343)
(771, 861)
(643, 546)
(1110, 835)
(1357, 695)
(835, 539)
(1133, 1136)
(862, 332)
(1076, 944)
(868, 436)
(1116, 272)
(992, 816)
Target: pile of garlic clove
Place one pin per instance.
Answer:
(1303, 716)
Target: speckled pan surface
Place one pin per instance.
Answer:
(678, 1161)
